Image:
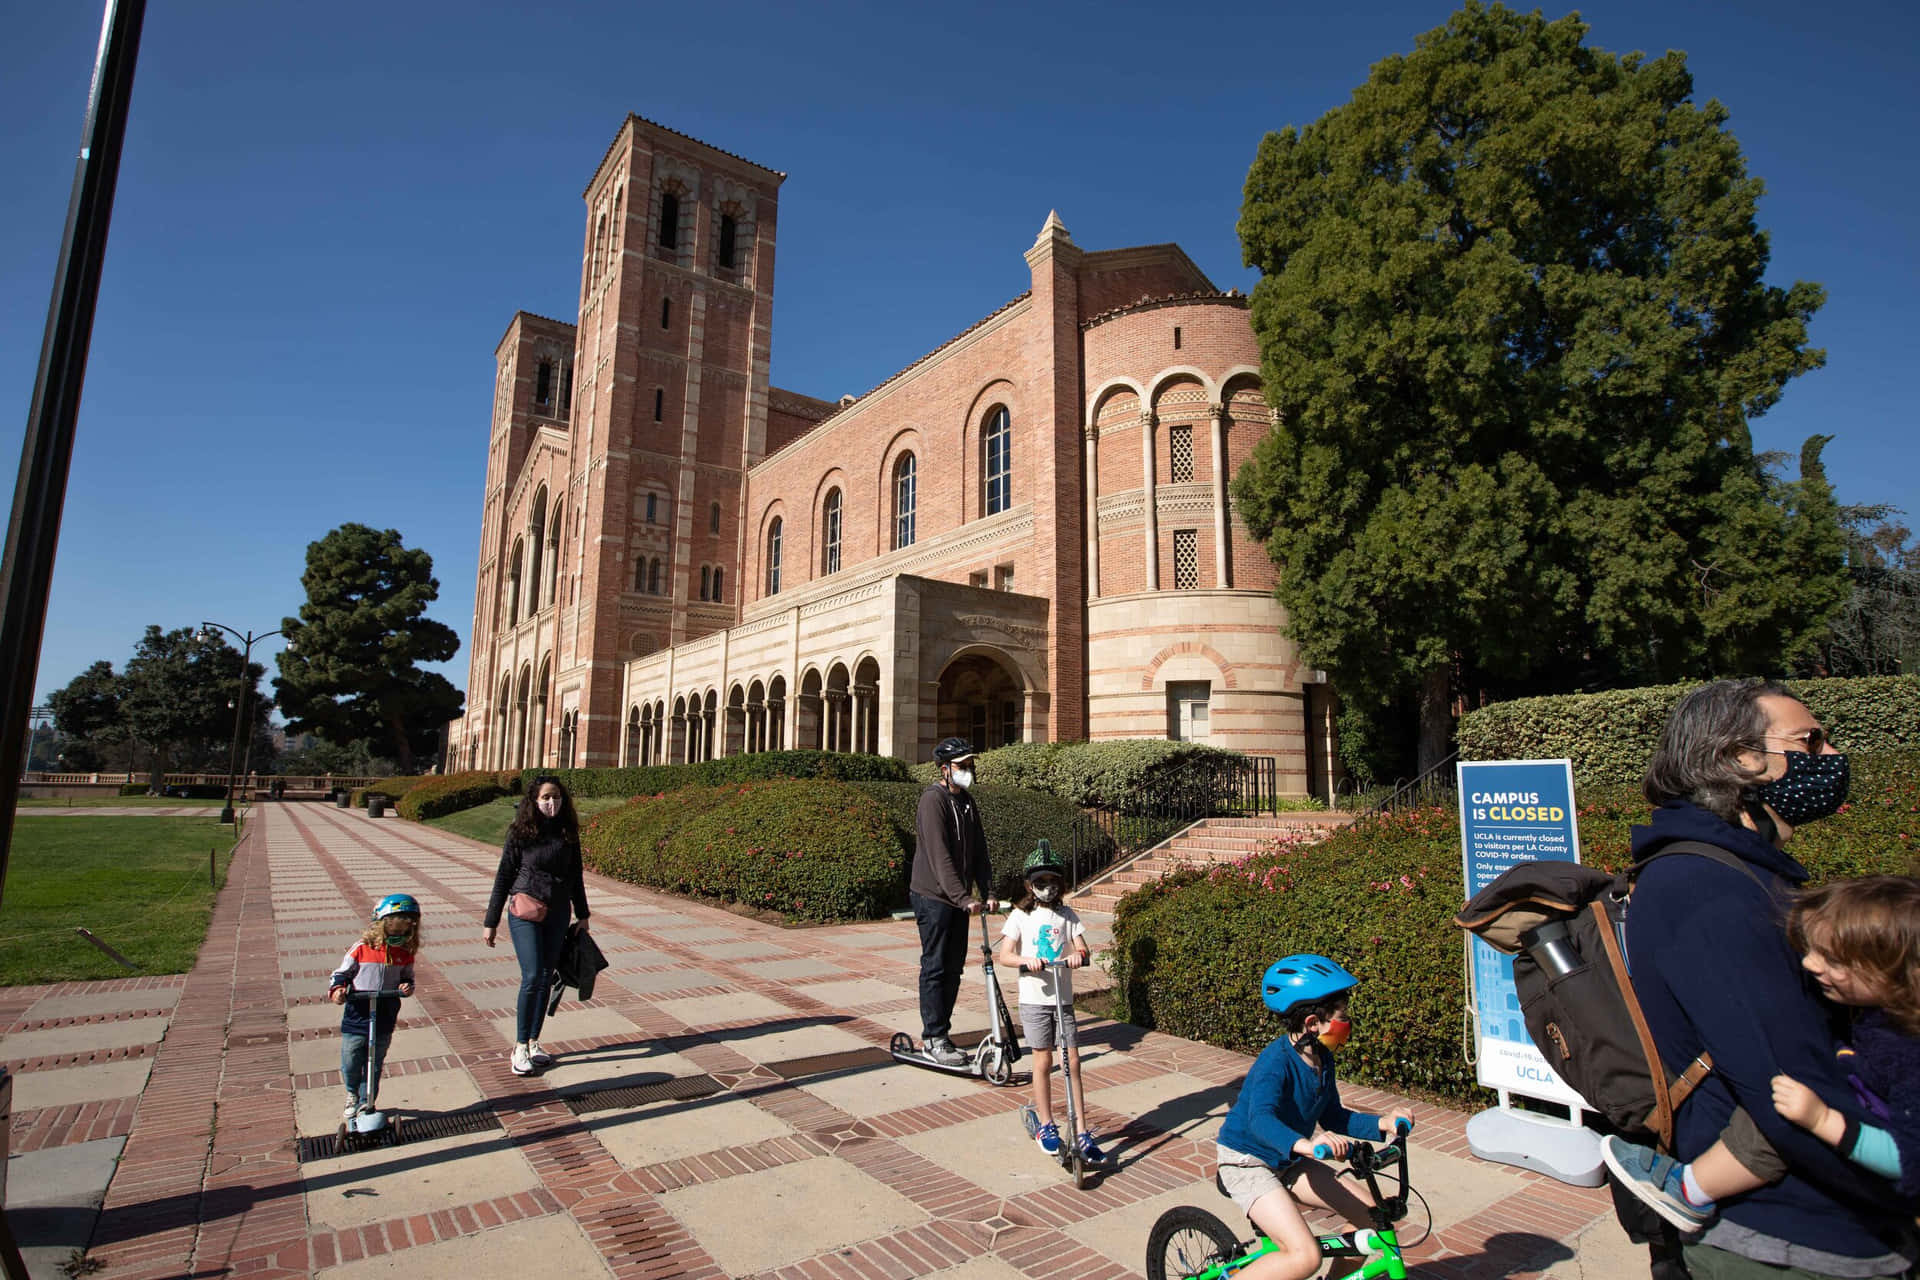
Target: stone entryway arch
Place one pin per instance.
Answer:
(983, 698)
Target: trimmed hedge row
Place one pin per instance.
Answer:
(646, 780)
(1610, 736)
(391, 788)
(814, 849)
(1188, 951)
(449, 793)
(1014, 820)
(1124, 775)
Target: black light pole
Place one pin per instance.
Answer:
(240, 706)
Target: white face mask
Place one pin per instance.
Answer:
(963, 779)
(1046, 893)
(548, 805)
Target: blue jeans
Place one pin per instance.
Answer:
(353, 1067)
(537, 947)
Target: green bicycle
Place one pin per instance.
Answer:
(1188, 1243)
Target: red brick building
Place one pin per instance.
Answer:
(1024, 535)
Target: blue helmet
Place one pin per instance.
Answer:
(396, 904)
(1303, 979)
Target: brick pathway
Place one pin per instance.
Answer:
(752, 1153)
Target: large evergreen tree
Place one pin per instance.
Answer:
(178, 696)
(1513, 318)
(348, 671)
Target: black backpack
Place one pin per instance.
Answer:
(1565, 927)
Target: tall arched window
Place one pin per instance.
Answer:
(706, 582)
(513, 581)
(718, 594)
(904, 500)
(996, 469)
(640, 574)
(830, 533)
(713, 518)
(773, 557)
(669, 220)
(653, 576)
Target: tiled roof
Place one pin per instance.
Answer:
(1231, 296)
(676, 133)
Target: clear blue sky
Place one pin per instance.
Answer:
(328, 213)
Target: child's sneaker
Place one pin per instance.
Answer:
(353, 1109)
(539, 1056)
(1049, 1139)
(1090, 1153)
(1655, 1180)
(522, 1061)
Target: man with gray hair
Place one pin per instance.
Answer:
(1739, 765)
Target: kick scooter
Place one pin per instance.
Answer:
(371, 1125)
(993, 1057)
(1188, 1243)
(1071, 1158)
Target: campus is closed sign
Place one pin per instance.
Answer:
(1511, 811)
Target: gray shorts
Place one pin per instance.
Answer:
(1248, 1178)
(1037, 1029)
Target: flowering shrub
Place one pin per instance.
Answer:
(1188, 951)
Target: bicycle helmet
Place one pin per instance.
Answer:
(1303, 979)
(396, 904)
(1043, 861)
(951, 749)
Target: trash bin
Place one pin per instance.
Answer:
(376, 805)
(343, 798)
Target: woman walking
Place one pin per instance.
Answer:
(538, 881)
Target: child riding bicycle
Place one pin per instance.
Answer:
(1266, 1145)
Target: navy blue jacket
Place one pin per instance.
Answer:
(1713, 969)
(1283, 1100)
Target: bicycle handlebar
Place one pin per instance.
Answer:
(1363, 1155)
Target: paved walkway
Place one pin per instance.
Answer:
(766, 1136)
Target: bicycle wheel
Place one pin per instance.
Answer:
(1186, 1240)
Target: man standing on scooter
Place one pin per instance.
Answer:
(949, 864)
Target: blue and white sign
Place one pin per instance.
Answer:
(1511, 811)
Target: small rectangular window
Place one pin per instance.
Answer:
(659, 402)
(713, 518)
(666, 313)
(1188, 709)
(653, 508)
(977, 579)
(1003, 577)
(1176, 337)
(728, 234)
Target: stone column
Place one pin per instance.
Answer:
(1150, 516)
(1093, 511)
(1222, 561)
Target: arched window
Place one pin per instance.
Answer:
(659, 402)
(773, 557)
(653, 576)
(666, 313)
(513, 581)
(706, 582)
(728, 235)
(996, 470)
(669, 220)
(718, 594)
(830, 533)
(543, 382)
(653, 508)
(640, 574)
(713, 518)
(905, 498)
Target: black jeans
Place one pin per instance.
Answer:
(943, 962)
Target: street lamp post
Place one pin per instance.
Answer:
(248, 639)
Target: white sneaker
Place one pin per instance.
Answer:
(540, 1057)
(353, 1109)
(522, 1061)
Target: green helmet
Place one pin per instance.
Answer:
(1043, 861)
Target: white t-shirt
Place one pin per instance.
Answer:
(1049, 933)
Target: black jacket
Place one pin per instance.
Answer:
(548, 858)
(950, 848)
(579, 966)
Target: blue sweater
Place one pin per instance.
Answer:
(1281, 1102)
(1712, 969)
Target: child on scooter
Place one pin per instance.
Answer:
(1266, 1143)
(1042, 930)
(381, 961)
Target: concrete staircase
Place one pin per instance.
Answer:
(1206, 842)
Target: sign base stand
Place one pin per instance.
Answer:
(1567, 1152)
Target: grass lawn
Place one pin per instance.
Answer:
(489, 821)
(118, 802)
(139, 884)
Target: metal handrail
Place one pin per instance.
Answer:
(1435, 779)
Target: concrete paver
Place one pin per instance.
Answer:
(780, 1169)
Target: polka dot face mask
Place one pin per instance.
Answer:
(1812, 787)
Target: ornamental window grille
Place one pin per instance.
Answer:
(997, 468)
(830, 534)
(905, 500)
(1180, 453)
(1186, 559)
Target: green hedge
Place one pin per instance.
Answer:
(1125, 775)
(450, 793)
(813, 849)
(1610, 736)
(1188, 952)
(392, 788)
(1013, 819)
(650, 780)
(134, 788)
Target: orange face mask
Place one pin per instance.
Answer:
(1338, 1029)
